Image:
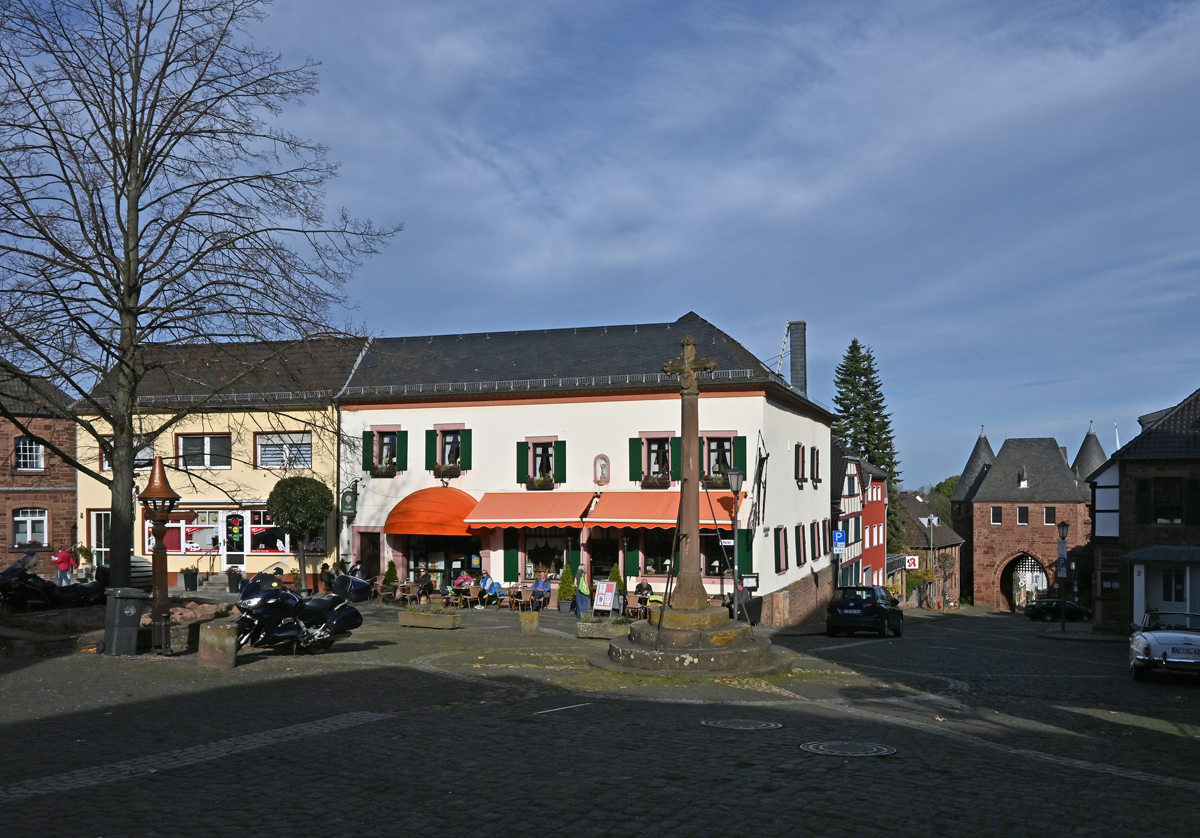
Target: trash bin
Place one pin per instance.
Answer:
(122, 617)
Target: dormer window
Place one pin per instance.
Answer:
(1022, 479)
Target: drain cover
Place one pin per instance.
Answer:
(743, 724)
(848, 749)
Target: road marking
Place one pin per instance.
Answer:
(970, 739)
(568, 707)
(117, 771)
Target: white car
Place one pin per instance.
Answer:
(1165, 640)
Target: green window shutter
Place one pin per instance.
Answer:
(402, 450)
(464, 449)
(635, 459)
(739, 453)
(778, 557)
(560, 461)
(368, 450)
(430, 450)
(633, 559)
(745, 546)
(522, 462)
(799, 544)
(799, 461)
(573, 555)
(1191, 502)
(512, 542)
(676, 458)
(1144, 501)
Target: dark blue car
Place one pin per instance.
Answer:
(863, 608)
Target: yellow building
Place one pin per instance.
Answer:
(230, 421)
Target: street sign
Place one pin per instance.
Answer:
(1062, 550)
(606, 595)
(1062, 566)
(839, 541)
(912, 562)
(726, 542)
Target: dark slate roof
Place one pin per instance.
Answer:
(20, 399)
(1173, 435)
(1044, 466)
(975, 470)
(247, 374)
(1148, 419)
(1165, 554)
(594, 358)
(1091, 456)
(943, 536)
(874, 471)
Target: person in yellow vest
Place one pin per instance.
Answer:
(583, 598)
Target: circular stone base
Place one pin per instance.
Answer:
(779, 663)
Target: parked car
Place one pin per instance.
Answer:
(863, 608)
(1049, 610)
(1165, 640)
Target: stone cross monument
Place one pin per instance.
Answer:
(689, 592)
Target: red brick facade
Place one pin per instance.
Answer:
(996, 546)
(51, 488)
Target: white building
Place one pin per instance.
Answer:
(512, 452)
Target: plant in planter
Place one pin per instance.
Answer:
(387, 470)
(389, 576)
(566, 588)
(716, 480)
(660, 481)
(446, 471)
(234, 575)
(542, 481)
(615, 575)
(298, 506)
(190, 577)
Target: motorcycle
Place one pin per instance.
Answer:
(275, 616)
(21, 588)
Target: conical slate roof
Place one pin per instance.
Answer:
(976, 468)
(1090, 457)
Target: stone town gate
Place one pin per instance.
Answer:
(1003, 591)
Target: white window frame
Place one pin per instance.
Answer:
(1050, 516)
(25, 518)
(665, 439)
(29, 455)
(143, 456)
(995, 510)
(1021, 523)
(293, 453)
(207, 453)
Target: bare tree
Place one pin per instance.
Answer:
(147, 197)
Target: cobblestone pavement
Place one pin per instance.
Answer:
(487, 732)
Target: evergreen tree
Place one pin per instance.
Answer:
(865, 426)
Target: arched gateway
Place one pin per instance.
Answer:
(1021, 580)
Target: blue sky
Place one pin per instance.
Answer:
(1001, 199)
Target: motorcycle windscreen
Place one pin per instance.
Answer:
(345, 619)
(352, 589)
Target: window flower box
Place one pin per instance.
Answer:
(444, 472)
(716, 481)
(538, 484)
(384, 471)
(662, 481)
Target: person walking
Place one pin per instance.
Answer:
(326, 578)
(583, 595)
(65, 560)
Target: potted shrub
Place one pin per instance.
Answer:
(566, 589)
(430, 616)
(389, 576)
(235, 579)
(591, 626)
(190, 577)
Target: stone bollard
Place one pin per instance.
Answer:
(528, 622)
(218, 644)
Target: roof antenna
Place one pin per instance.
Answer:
(783, 348)
(1117, 434)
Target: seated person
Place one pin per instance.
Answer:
(490, 588)
(541, 591)
(643, 590)
(464, 580)
(424, 583)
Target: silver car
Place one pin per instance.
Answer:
(1165, 640)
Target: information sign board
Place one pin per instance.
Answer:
(606, 596)
(839, 541)
(912, 562)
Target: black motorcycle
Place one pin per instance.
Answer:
(274, 616)
(22, 589)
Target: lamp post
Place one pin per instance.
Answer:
(930, 522)
(1063, 528)
(158, 499)
(736, 478)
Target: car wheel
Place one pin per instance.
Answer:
(831, 632)
(1047, 618)
(1138, 673)
(882, 630)
(898, 631)
(1085, 617)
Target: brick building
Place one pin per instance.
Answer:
(944, 558)
(858, 502)
(37, 487)
(1008, 510)
(1147, 519)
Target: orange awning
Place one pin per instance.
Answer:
(657, 510)
(530, 509)
(435, 511)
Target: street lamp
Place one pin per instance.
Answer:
(736, 478)
(158, 499)
(1063, 527)
(931, 522)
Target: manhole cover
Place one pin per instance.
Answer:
(848, 749)
(743, 724)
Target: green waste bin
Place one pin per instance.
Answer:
(122, 618)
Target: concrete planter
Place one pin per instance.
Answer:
(601, 631)
(528, 622)
(423, 619)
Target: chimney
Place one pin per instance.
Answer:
(799, 359)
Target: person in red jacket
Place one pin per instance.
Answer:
(66, 563)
